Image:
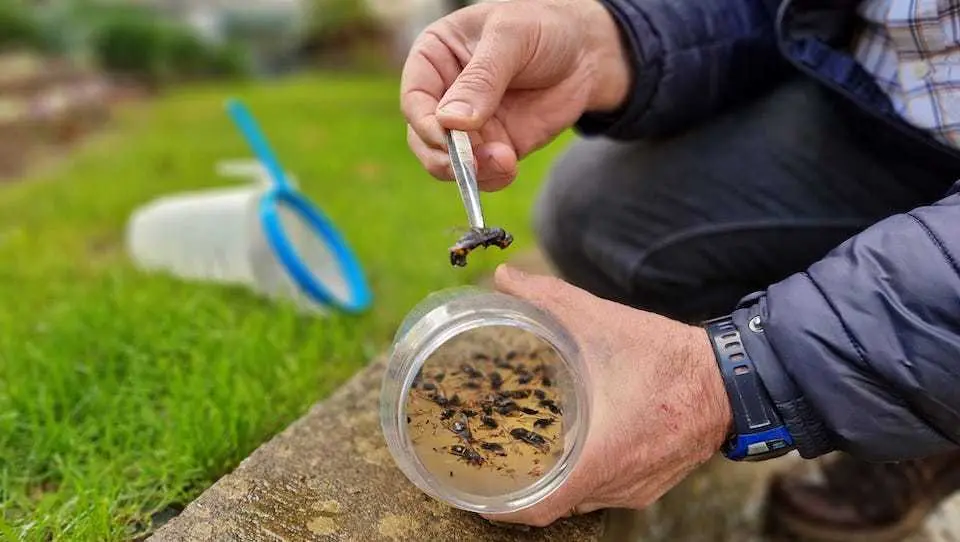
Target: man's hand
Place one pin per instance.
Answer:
(660, 408)
(530, 69)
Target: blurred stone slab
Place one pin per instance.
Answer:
(330, 477)
(724, 501)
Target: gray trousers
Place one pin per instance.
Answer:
(688, 225)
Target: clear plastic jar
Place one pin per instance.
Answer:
(485, 403)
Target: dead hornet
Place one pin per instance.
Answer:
(494, 447)
(530, 438)
(476, 238)
(467, 453)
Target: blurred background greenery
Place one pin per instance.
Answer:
(123, 395)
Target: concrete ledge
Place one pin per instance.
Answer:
(329, 476)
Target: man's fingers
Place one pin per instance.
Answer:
(477, 91)
(435, 161)
(429, 70)
(545, 291)
(554, 507)
(497, 164)
(568, 497)
(534, 288)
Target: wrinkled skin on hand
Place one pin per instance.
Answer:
(660, 406)
(530, 69)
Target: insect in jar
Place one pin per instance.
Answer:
(551, 406)
(489, 422)
(516, 394)
(476, 238)
(471, 385)
(540, 394)
(511, 354)
(440, 399)
(524, 378)
(494, 447)
(447, 414)
(543, 423)
(470, 371)
(529, 411)
(507, 408)
(462, 429)
(546, 381)
(428, 386)
(469, 413)
(530, 438)
(496, 380)
(467, 453)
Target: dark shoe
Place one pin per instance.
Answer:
(845, 500)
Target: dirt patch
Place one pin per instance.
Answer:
(49, 106)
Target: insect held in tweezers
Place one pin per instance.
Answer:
(476, 238)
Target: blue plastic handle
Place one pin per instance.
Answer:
(258, 143)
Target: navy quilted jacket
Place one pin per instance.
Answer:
(860, 352)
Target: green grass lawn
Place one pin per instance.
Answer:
(123, 394)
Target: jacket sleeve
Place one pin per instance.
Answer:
(861, 352)
(690, 58)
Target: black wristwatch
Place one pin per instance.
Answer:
(759, 433)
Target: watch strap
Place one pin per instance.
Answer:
(759, 432)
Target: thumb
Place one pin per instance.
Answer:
(476, 93)
(512, 281)
(566, 302)
(539, 289)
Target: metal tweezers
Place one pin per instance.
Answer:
(465, 172)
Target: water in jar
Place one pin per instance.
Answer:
(485, 412)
